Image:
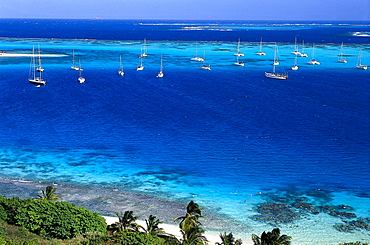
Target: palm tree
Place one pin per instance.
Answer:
(152, 226)
(190, 226)
(271, 238)
(229, 239)
(193, 236)
(191, 219)
(127, 221)
(48, 194)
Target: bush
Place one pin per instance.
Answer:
(59, 220)
(90, 238)
(15, 235)
(7, 207)
(137, 238)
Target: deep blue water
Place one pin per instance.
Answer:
(219, 137)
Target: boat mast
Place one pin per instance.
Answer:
(120, 63)
(33, 64)
(161, 68)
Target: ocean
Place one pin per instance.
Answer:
(255, 153)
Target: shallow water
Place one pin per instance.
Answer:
(228, 138)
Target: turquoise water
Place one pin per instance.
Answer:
(229, 139)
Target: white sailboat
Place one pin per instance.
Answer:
(296, 52)
(196, 57)
(295, 66)
(140, 67)
(313, 61)
(274, 74)
(145, 53)
(238, 53)
(276, 61)
(359, 64)
(340, 56)
(80, 78)
(120, 71)
(35, 76)
(303, 54)
(238, 63)
(260, 51)
(203, 65)
(74, 67)
(160, 73)
(39, 67)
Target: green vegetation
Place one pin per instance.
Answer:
(59, 220)
(14, 235)
(229, 239)
(42, 221)
(190, 226)
(271, 238)
(152, 226)
(126, 222)
(49, 194)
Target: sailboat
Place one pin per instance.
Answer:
(303, 54)
(204, 66)
(238, 63)
(274, 74)
(74, 67)
(260, 51)
(140, 67)
(296, 52)
(35, 76)
(160, 73)
(359, 60)
(295, 66)
(313, 61)
(80, 78)
(238, 53)
(39, 68)
(276, 62)
(196, 57)
(340, 56)
(120, 71)
(144, 54)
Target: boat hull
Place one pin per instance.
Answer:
(197, 59)
(37, 81)
(313, 62)
(81, 80)
(362, 67)
(276, 76)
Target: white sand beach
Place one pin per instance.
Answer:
(172, 229)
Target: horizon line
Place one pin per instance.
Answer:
(96, 18)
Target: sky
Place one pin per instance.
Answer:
(312, 10)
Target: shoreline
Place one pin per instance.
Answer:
(106, 201)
